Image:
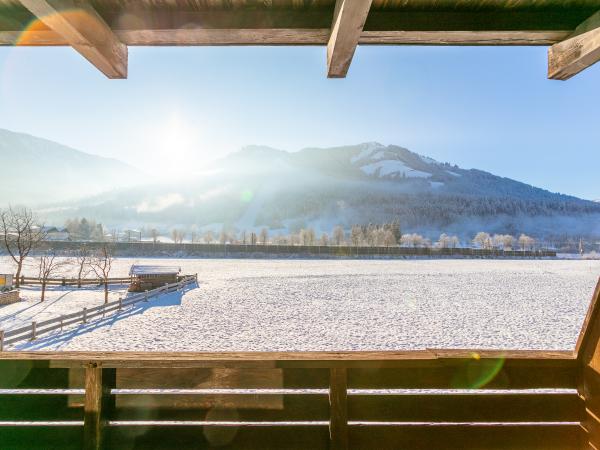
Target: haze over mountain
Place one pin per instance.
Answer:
(36, 170)
(322, 187)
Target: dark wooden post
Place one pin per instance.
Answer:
(338, 409)
(99, 405)
(588, 358)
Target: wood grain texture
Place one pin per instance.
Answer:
(338, 404)
(82, 28)
(569, 57)
(349, 19)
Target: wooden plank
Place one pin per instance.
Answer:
(291, 437)
(296, 407)
(338, 401)
(589, 335)
(578, 52)
(98, 406)
(41, 438)
(348, 21)
(375, 359)
(533, 37)
(467, 437)
(509, 407)
(508, 374)
(81, 26)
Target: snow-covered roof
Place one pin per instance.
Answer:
(154, 270)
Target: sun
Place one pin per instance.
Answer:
(177, 141)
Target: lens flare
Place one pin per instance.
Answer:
(39, 31)
(246, 196)
(477, 373)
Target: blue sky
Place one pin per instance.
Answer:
(487, 108)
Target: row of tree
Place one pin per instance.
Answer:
(22, 234)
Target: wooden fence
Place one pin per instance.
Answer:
(73, 281)
(35, 329)
(247, 250)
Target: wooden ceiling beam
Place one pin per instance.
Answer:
(349, 19)
(576, 53)
(83, 29)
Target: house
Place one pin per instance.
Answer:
(145, 278)
(56, 234)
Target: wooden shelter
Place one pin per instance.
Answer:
(145, 278)
(101, 30)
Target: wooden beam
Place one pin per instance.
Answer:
(578, 52)
(98, 405)
(83, 29)
(349, 19)
(338, 404)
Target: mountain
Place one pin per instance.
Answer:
(322, 187)
(36, 170)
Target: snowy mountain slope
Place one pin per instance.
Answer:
(36, 170)
(261, 186)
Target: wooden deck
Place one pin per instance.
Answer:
(101, 30)
(428, 399)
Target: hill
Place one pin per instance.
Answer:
(36, 170)
(359, 184)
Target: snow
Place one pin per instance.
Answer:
(392, 167)
(153, 270)
(437, 184)
(366, 152)
(454, 174)
(277, 305)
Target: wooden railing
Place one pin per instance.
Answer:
(35, 329)
(73, 281)
(427, 399)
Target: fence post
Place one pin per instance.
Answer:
(120, 303)
(84, 315)
(64, 282)
(338, 407)
(99, 405)
(33, 330)
(146, 295)
(61, 322)
(1, 340)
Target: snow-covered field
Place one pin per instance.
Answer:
(261, 305)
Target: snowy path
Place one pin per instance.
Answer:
(261, 305)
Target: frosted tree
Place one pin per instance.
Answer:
(454, 241)
(443, 241)
(356, 235)
(483, 240)
(20, 235)
(338, 235)
(389, 239)
(223, 237)
(526, 242)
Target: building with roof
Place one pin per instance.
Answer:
(146, 277)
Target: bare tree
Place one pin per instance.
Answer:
(154, 235)
(83, 259)
(48, 266)
(20, 235)
(264, 236)
(324, 241)
(223, 237)
(443, 241)
(101, 265)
